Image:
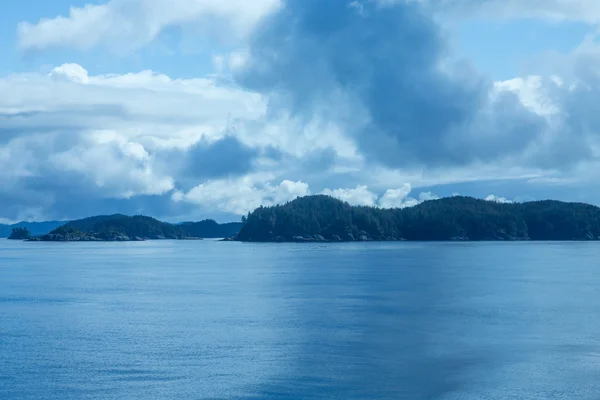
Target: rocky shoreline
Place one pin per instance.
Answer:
(85, 237)
(365, 237)
(96, 237)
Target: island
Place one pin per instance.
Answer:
(123, 228)
(322, 218)
(20, 233)
(35, 228)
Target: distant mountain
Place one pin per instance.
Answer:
(211, 229)
(35, 228)
(323, 218)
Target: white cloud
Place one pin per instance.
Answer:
(113, 136)
(71, 72)
(122, 135)
(534, 92)
(392, 198)
(396, 198)
(399, 198)
(242, 195)
(120, 167)
(130, 24)
(498, 199)
(359, 196)
(427, 196)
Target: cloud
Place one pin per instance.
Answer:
(224, 157)
(115, 137)
(309, 96)
(243, 195)
(497, 199)
(399, 198)
(392, 198)
(381, 75)
(396, 198)
(131, 24)
(359, 196)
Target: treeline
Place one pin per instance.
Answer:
(211, 229)
(323, 218)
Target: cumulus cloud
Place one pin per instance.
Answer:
(71, 134)
(130, 24)
(337, 94)
(359, 196)
(391, 198)
(399, 198)
(498, 199)
(243, 195)
(382, 76)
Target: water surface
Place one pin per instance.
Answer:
(213, 320)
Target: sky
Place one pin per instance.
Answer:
(193, 109)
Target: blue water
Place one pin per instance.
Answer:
(214, 320)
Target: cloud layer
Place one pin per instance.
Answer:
(360, 100)
(131, 24)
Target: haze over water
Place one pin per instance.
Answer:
(213, 320)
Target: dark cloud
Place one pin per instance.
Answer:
(380, 71)
(224, 157)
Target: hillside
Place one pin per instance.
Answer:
(323, 218)
(132, 228)
(137, 226)
(211, 229)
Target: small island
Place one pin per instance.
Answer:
(322, 218)
(20, 233)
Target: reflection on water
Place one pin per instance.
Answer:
(218, 320)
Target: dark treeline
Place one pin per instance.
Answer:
(318, 218)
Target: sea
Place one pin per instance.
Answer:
(226, 320)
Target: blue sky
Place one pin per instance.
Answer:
(186, 109)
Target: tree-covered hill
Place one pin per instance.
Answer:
(211, 229)
(318, 218)
(137, 226)
(127, 228)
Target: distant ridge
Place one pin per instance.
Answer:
(323, 218)
(36, 228)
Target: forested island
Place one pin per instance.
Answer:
(325, 219)
(122, 228)
(20, 233)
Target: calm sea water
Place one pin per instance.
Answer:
(212, 320)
